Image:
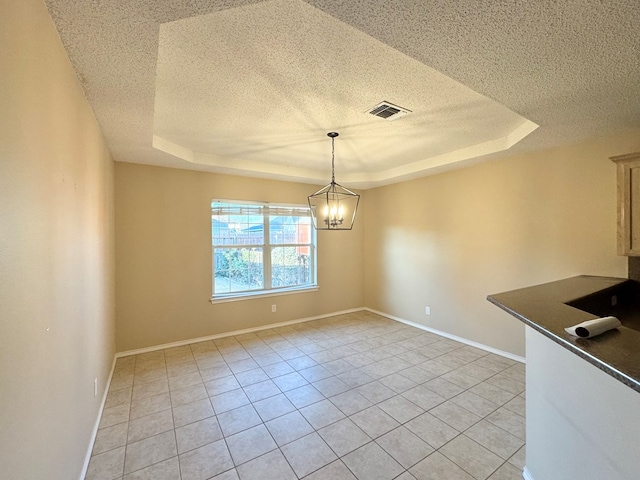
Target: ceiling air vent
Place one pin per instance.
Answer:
(388, 111)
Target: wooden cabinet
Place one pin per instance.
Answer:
(628, 203)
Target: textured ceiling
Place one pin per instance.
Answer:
(248, 88)
(251, 88)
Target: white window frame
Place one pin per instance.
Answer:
(267, 247)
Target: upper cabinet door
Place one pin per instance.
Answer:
(628, 203)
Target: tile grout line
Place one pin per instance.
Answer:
(290, 362)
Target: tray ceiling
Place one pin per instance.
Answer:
(252, 88)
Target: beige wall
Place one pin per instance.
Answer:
(446, 241)
(56, 253)
(163, 258)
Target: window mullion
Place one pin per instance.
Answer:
(266, 254)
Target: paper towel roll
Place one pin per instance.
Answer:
(591, 328)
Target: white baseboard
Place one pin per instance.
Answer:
(94, 433)
(233, 333)
(526, 474)
(481, 346)
(180, 343)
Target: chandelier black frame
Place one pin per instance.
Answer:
(333, 207)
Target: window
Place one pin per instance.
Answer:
(261, 248)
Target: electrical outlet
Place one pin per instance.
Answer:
(427, 310)
(614, 300)
(95, 387)
(273, 308)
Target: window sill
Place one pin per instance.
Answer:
(263, 294)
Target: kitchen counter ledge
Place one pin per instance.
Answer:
(545, 308)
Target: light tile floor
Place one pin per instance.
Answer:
(354, 396)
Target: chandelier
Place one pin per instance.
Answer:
(333, 207)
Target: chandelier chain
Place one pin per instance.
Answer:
(333, 159)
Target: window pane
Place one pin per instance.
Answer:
(290, 266)
(237, 270)
(287, 230)
(236, 224)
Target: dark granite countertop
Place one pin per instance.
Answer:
(545, 308)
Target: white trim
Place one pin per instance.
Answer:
(94, 433)
(481, 346)
(526, 474)
(263, 294)
(180, 343)
(265, 210)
